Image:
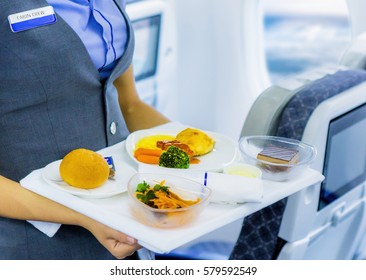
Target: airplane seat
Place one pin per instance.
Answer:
(310, 224)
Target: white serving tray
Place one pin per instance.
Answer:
(115, 211)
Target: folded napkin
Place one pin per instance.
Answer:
(225, 188)
(47, 228)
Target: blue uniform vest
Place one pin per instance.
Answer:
(52, 101)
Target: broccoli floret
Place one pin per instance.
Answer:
(174, 157)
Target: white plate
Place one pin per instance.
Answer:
(224, 152)
(112, 187)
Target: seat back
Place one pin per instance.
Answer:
(294, 228)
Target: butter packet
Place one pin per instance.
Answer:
(112, 168)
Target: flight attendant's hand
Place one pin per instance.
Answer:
(117, 243)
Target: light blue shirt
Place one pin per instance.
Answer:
(101, 27)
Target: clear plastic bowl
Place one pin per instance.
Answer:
(168, 218)
(251, 146)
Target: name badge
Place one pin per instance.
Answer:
(32, 19)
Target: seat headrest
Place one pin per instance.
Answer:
(298, 110)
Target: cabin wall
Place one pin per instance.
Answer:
(357, 10)
(220, 67)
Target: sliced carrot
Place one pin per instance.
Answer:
(150, 152)
(147, 159)
(194, 160)
(162, 183)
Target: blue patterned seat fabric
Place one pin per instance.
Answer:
(258, 239)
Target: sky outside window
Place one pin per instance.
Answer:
(304, 34)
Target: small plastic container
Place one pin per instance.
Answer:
(251, 146)
(243, 169)
(168, 218)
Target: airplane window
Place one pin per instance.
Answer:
(145, 59)
(304, 34)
